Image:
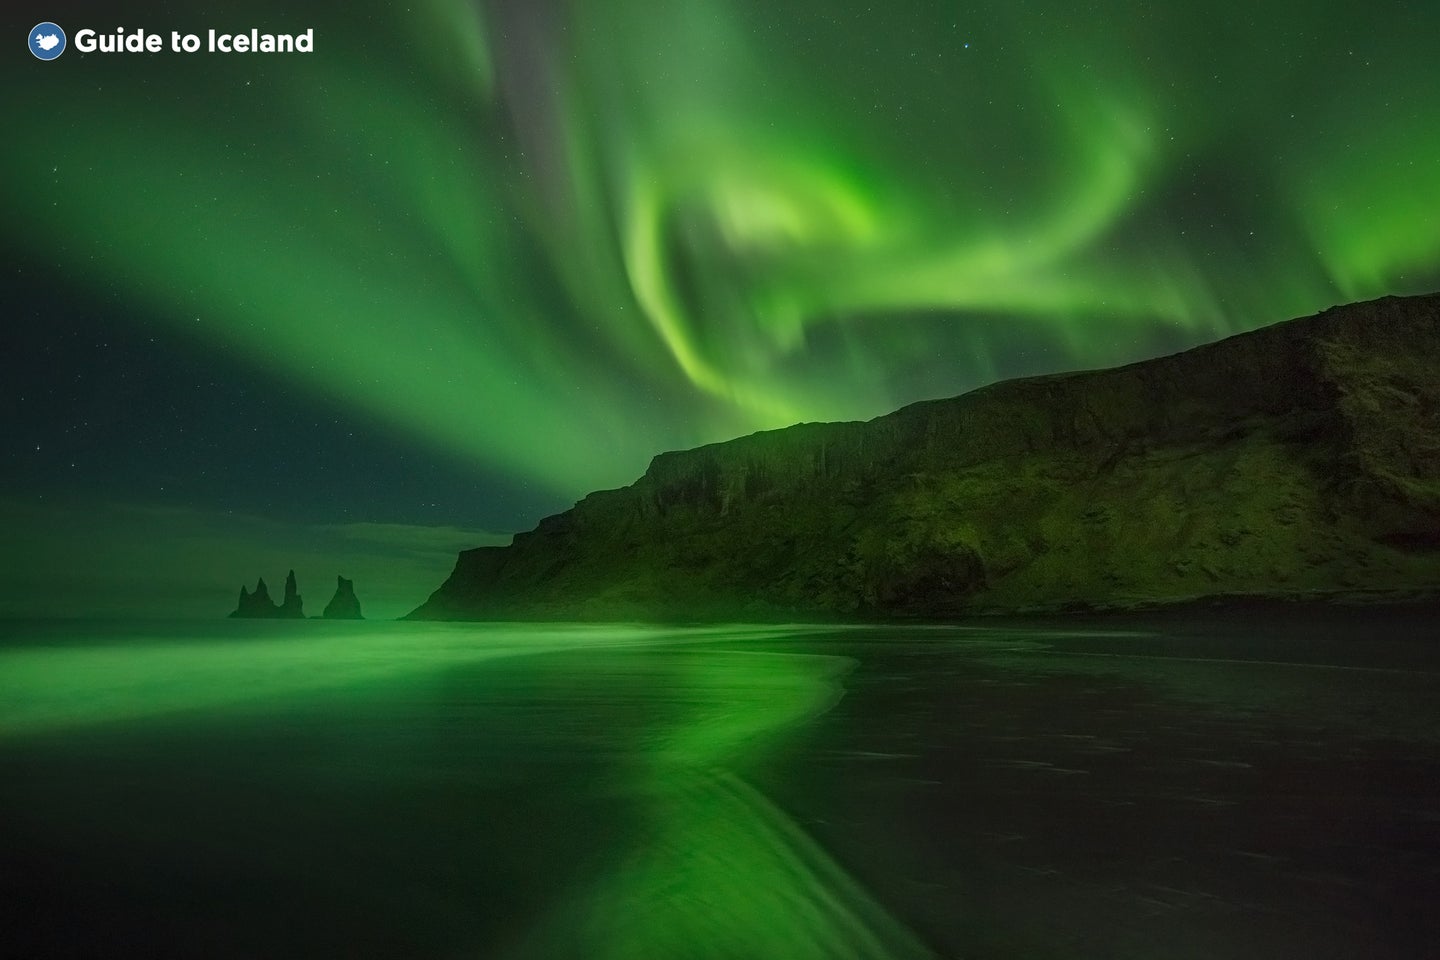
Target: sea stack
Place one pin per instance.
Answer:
(344, 605)
(259, 606)
(293, 606)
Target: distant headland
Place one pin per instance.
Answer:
(258, 605)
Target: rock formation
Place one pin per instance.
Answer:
(258, 605)
(1301, 460)
(344, 605)
(292, 606)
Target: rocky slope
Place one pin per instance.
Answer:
(1299, 460)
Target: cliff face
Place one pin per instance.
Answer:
(1302, 459)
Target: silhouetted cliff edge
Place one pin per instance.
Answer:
(1299, 460)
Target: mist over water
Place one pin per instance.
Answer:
(377, 789)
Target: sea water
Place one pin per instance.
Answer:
(247, 788)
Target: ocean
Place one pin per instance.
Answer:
(1251, 787)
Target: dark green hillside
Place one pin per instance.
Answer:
(1299, 460)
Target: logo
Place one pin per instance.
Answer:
(47, 41)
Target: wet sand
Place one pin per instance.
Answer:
(427, 790)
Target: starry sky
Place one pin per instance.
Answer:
(348, 311)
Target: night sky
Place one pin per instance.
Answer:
(349, 311)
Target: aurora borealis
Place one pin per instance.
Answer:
(521, 247)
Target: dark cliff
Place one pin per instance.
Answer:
(1299, 460)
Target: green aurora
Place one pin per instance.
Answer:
(556, 239)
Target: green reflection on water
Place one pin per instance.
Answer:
(668, 721)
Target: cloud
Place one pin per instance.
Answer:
(108, 559)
